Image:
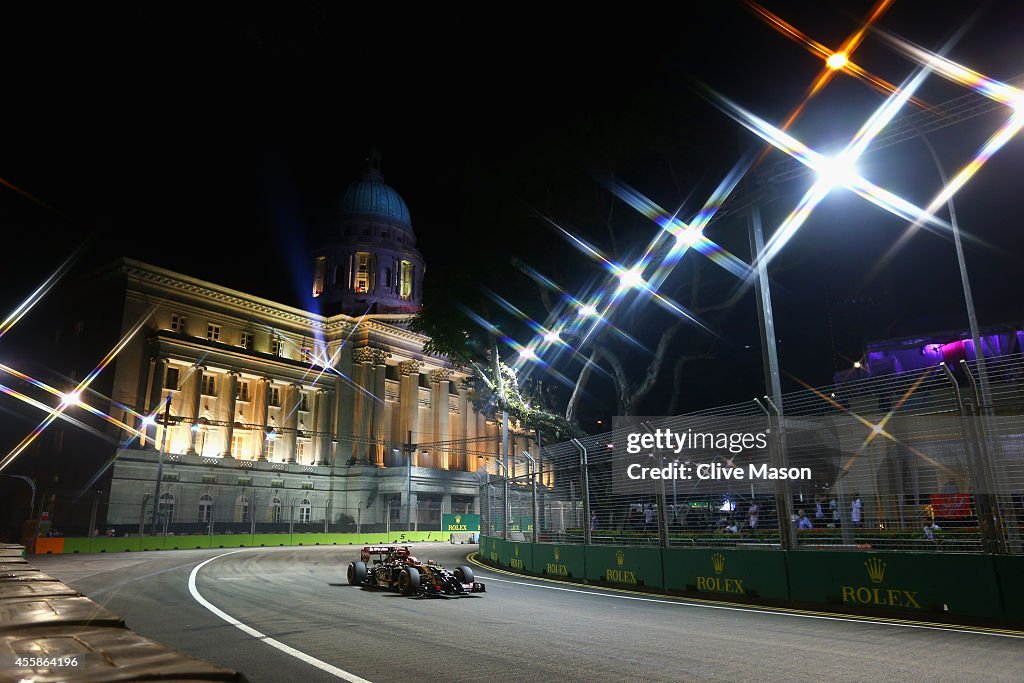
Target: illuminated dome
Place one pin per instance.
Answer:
(372, 196)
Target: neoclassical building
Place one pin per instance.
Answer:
(278, 414)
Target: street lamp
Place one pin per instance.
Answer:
(972, 318)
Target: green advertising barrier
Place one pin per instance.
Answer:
(1010, 572)
(907, 582)
(459, 523)
(517, 556)
(560, 561)
(522, 524)
(624, 565)
(727, 572)
(491, 549)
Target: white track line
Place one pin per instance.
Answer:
(298, 654)
(680, 603)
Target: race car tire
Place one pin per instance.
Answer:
(409, 581)
(464, 574)
(356, 573)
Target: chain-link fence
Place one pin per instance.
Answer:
(924, 460)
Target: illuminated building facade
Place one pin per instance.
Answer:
(281, 415)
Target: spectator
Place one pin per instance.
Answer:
(819, 511)
(802, 521)
(930, 529)
(649, 516)
(856, 510)
(752, 516)
(593, 521)
(833, 505)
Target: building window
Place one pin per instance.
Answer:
(276, 346)
(247, 340)
(171, 382)
(237, 445)
(177, 322)
(387, 279)
(305, 511)
(274, 396)
(209, 385)
(318, 275)
(304, 402)
(213, 332)
(362, 272)
(306, 354)
(300, 451)
(405, 283)
(242, 509)
(242, 391)
(271, 441)
(166, 508)
(275, 510)
(205, 507)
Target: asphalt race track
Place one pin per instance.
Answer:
(520, 630)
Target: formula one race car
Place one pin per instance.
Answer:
(395, 568)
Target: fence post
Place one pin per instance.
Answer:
(776, 451)
(585, 476)
(988, 471)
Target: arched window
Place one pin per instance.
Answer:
(405, 281)
(205, 507)
(275, 510)
(305, 511)
(242, 509)
(363, 272)
(166, 507)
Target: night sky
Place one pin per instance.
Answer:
(216, 139)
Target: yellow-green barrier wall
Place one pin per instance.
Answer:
(103, 544)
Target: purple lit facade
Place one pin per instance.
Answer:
(905, 355)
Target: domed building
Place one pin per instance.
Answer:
(274, 417)
(368, 261)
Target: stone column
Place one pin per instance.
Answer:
(197, 396)
(367, 400)
(377, 429)
(229, 429)
(409, 400)
(439, 407)
(290, 410)
(155, 400)
(322, 426)
(262, 409)
(467, 461)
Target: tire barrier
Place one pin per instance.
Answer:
(943, 586)
(50, 632)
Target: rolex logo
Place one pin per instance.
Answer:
(876, 569)
(558, 554)
(458, 519)
(718, 563)
(620, 557)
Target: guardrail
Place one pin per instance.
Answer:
(50, 631)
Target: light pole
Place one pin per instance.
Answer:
(533, 482)
(965, 282)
